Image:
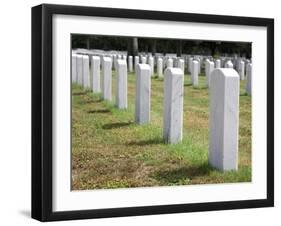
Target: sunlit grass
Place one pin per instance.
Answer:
(110, 151)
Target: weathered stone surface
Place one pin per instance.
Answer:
(86, 72)
(224, 119)
(95, 71)
(173, 105)
(143, 92)
(121, 85)
(107, 78)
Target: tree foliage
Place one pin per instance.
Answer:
(135, 45)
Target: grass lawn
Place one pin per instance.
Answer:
(110, 151)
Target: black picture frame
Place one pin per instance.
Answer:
(42, 111)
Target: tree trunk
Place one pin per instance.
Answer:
(179, 48)
(88, 43)
(135, 47)
(153, 47)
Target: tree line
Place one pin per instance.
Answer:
(134, 45)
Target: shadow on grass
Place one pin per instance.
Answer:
(89, 101)
(200, 87)
(244, 94)
(116, 125)
(182, 175)
(187, 84)
(99, 111)
(79, 93)
(146, 142)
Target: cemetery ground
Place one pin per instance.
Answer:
(110, 151)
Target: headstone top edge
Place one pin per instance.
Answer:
(226, 72)
(121, 61)
(108, 59)
(96, 57)
(143, 66)
(174, 70)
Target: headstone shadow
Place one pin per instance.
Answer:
(178, 175)
(116, 125)
(99, 111)
(146, 142)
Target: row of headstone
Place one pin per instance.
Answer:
(172, 59)
(224, 100)
(81, 64)
(186, 57)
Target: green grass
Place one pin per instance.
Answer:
(110, 151)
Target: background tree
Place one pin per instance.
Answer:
(134, 45)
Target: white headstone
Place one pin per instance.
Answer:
(124, 57)
(241, 70)
(181, 64)
(199, 65)
(194, 73)
(143, 60)
(173, 105)
(114, 62)
(137, 60)
(95, 71)
(169, 62)
(74, 68)
(130, 62)
(160, 67)
(249, 79)
(107, 78)
(143, 90)
(207, 66)
(190, 64)
(224, 119)
(228, 64)
(80, 69)
(211, 67)
(218, 63)
(121, 85)
(86, 72)
(151, 64)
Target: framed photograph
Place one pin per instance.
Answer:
(146, 112)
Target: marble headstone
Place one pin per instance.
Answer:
(143, 92)
(95, 71)
(107, 78)
(224, 119)
(121, 85)
(86, 72)
(194, 73)
(160, 67)
(173, 105)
